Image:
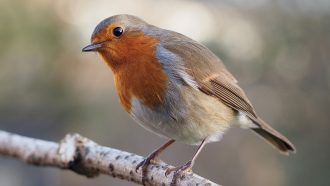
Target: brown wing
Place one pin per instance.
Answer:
(210, 73)
(214, 79)
(228, 92)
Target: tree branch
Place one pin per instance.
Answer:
(85, 157)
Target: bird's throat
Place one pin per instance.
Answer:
(137, 72)
(144, 80)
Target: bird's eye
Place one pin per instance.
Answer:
(118, 31)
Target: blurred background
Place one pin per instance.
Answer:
(279, 50)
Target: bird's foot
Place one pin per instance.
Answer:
(178, 171)
(151, 159)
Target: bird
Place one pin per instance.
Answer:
(175, 87)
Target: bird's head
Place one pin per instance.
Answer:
(129, 46)
(122, 39)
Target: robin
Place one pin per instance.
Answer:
(175, 87)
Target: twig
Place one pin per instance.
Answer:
(85, 157)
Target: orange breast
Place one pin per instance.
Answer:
(143, 80)
(137, 71)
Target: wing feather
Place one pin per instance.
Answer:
(209, 72)
(212, 78)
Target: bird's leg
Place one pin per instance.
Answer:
(178, 171)
(152, 158)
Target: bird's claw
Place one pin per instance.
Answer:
(178, 171)
(140, 165)
(151, 159)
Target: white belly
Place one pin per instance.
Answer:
(190, 118)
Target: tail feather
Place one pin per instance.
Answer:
(273, 137)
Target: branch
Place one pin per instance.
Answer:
(85, 157)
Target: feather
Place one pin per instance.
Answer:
(212, 78)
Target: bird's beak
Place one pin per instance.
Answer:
(92, 47)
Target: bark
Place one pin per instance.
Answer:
(86, 157)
